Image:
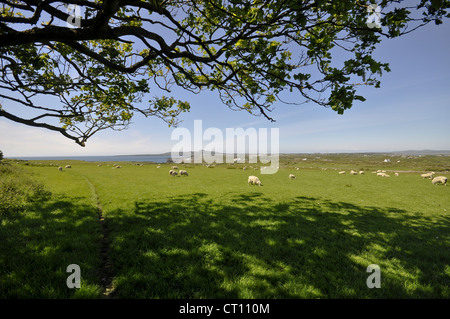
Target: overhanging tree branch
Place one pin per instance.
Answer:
(32, 123)
(249, 51)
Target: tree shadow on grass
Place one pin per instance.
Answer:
(37, 245)
(192, 247)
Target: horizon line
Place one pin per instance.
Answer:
(423, 151)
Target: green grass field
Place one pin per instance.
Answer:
(211, 235)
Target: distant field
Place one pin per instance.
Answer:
(211, 235)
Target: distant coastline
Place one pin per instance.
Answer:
(406, 152)
(106, 158)
(165, 157)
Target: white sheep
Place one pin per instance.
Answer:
(381, 174)
(174, 167)
(291, 176)
(352, 172)
(396, 174)
(99, 165)
(68, 166)
(342, 172)
(253, 180)
(361, 172)
(60, 169)
(428, 175)
(439, 180)
(183, 172)
(173, 173)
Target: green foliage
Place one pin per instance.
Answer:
(248, 51)
(17, 190)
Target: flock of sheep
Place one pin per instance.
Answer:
(173, 171)
(436, 180)
(254, 180)
(382, 173)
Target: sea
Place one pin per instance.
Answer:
(107, 158)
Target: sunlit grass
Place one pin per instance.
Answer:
(210, 235)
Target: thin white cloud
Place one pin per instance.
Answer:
(18, 140)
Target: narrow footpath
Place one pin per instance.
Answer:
(106, 269)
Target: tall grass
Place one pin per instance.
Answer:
(17, 189)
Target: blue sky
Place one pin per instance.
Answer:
(411, 110)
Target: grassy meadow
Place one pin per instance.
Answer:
(211, 235)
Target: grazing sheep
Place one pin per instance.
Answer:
(352, 172)
(173, 173)
(182, 172)
(158, 166)
(68, 166)
(99, 165)
(381, 174)
(396, 174)
(291, 176)
(361, 172)
(60, 169)
(253, 180)
(342, 172)
(428, 175)
(439, 180)
(174, 167)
